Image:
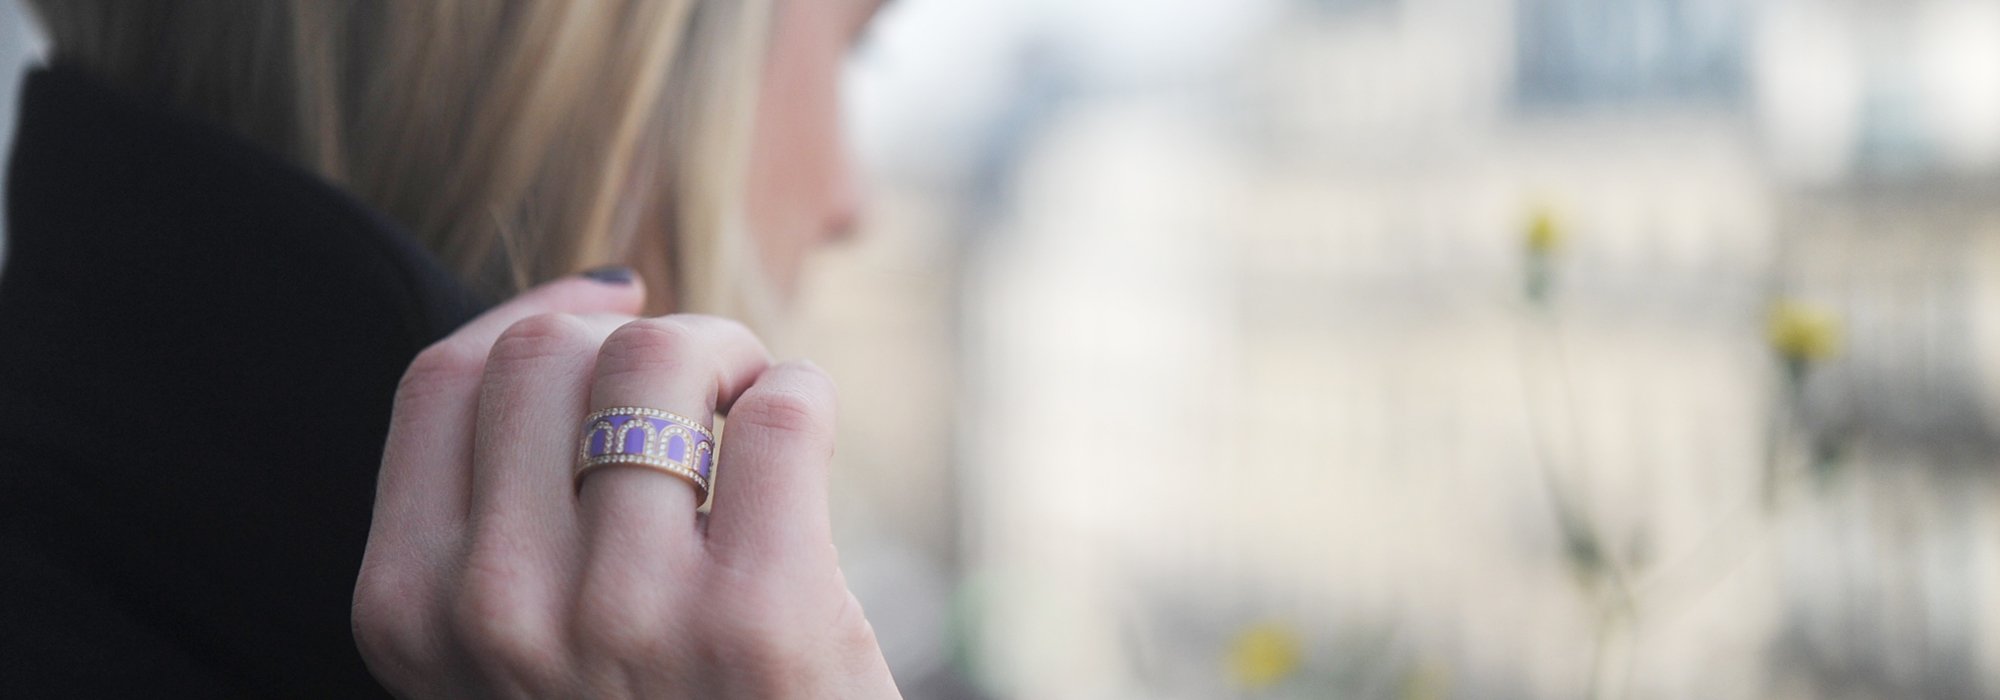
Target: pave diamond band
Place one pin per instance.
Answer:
(651, 438)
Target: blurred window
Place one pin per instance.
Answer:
(1577, 52)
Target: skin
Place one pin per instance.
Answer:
(802, 191)
(490, 573)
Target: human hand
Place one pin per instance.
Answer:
(491, 573)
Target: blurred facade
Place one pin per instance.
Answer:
(1436, 348)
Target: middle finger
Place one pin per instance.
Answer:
(640, 520)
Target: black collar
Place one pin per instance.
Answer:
(198, 347)
(87, 156)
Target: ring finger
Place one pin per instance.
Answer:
(640, 519)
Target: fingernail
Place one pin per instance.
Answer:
(611, 274)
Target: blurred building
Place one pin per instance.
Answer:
(1892, 568)
(1247, 351)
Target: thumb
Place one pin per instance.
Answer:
(607, 290)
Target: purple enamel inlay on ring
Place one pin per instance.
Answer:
(656, 434)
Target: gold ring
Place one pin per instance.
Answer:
(664, 441)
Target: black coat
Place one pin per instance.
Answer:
(198, 347)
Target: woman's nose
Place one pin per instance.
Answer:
(846, 202)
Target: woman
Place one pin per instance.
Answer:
(249, 246)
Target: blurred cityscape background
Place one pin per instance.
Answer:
(1422, 349)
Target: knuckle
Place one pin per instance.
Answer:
(776, 637)
(385, 629)
(604, 629)
(794, 409)
(650, 345)
(440, 368)
(812, 379)
(498, 618)
(540, 337)
(716, 324)
(763, 648)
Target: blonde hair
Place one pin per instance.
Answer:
(518, 140)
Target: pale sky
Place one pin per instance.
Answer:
(934, 69)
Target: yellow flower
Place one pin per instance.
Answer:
(1544, 235)
(1263, 655)
(1803, 333)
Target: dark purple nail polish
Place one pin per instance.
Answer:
(611, 274)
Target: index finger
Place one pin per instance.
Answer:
(425, 483)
